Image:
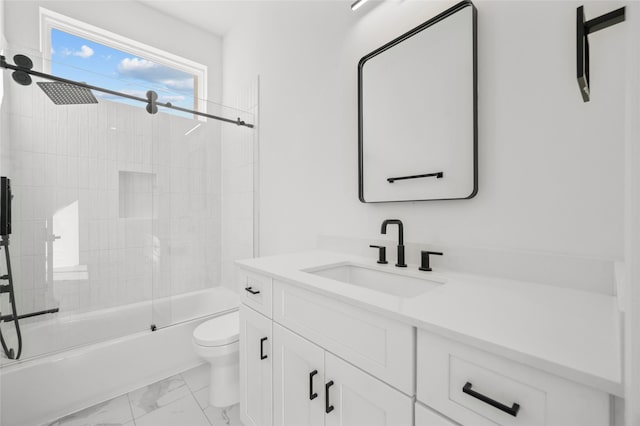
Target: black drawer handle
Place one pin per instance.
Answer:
(327, 407)
(513, 410)
(312, 395)
(262, 355)
(251, 290)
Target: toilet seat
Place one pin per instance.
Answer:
(219, 331)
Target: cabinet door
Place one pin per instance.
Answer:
(354, 398)
(255, 368)
(298, 380)
(428, 417)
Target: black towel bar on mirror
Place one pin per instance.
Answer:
(438, 175)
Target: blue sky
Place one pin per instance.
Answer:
(79, 59)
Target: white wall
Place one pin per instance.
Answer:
(551, 167)
(2, 29)
(129, 19)
(632, 249)
(3, 43)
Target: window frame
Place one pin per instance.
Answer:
(53, 20)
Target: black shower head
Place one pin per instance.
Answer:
(67, 94)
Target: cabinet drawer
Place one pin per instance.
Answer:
(377, 345)
(255, 291)
(495, 396)
(427, 417)
(476, 388)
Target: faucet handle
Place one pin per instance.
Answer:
(425, 259)
(382, 253)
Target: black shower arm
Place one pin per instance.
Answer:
(5, 64)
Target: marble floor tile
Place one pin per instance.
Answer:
(115, 412)
(202, 396)
(183, 412)
(229, 416)
(197, 378)
(157, 395)
(180, 400)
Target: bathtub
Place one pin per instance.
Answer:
(42, 388)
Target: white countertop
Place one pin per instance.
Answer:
(570, 333)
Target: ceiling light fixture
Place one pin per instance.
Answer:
(357, 4)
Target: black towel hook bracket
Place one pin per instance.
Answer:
(583, 29)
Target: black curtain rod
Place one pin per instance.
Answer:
(150, 100)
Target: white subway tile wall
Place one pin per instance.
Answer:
(114, 206)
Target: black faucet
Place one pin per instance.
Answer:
(424, 264)
(383, 230)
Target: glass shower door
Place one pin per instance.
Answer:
(195, 209)
(82, 223)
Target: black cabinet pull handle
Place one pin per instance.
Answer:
(513, 410)
(312, 395)
(262, 355)
(251, 290)
(327, 407)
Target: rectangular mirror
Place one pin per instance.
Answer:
(417, 105)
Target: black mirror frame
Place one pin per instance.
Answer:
(458, 7)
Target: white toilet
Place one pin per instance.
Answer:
(217, 341)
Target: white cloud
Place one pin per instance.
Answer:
(84, 52)
(184, 84)
(143, 69)
(132, 65)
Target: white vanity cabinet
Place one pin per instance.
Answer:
(316, 388)
(304, 366)
(256, 373)
(328, 361)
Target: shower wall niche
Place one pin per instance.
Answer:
(136, 194)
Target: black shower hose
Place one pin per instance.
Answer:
(12, 300)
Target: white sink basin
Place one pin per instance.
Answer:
(403, 284)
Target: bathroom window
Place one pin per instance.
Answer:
(78, 51)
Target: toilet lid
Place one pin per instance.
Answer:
(218, 331)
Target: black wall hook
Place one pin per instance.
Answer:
(582, 43)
